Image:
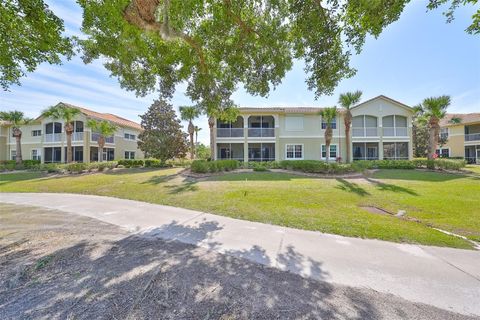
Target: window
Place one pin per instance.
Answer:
(294, 151)
(108, 154)
(36, 133)
(334, 124)
(53, 127)
(395, 150)
(333, 151)
(394, 125)
(443, 152)
(13, 155)
(129, 154)
(444, 133)
(129, 136)
(294, 123)
(52, 154)
(36, 155)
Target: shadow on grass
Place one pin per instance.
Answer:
(186, 186)
(351, 187)
(19, 176)
(382, 186)
(256, 176)
(420, 175)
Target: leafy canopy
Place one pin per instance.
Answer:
(188, 113)
(61, 112)
(103, 128)
(328, 115)
(349, 99)
(14, 118)
(30, 34)
(433, 107)
(162, 135)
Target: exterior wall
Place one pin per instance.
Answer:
(30, 142)
(312, 135)
(456, 141)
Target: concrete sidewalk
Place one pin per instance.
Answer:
(443, 277)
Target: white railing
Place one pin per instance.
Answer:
(77, 136)
(229, 132)
(95, 137)
(395, 132)
(365, 132)
(53, 137)
(261, 132)
(472, 137)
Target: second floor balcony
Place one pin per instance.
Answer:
(395, 132)
(53, 137)
(365, 132)
(96, 136)
(472, 137)
(261, 132)
(229, 132)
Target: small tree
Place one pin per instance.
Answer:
(203, 152)
(162, 137)
(197, 130)
(67, 114)
(420, 136)
(328, 115)
(348, 100)
(104, 129)
(15, 119)
(433, 109)
(189, 113)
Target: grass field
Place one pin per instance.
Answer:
(447, 201)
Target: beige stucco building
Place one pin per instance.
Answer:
(462, 136)
(45, 139)
(381, 129)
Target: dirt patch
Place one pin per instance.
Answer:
(376, 210)
(59, 266)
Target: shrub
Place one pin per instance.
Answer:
(8, 164)
(76, 167)
(52, 168)
(28, 164)
(202, 166)
(315, 166)
(128, 163)
(449, 164)
(184, 163)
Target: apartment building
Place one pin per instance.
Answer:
(45, 139)
(462, 135)
(381, 129)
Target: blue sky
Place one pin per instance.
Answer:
(418, 56)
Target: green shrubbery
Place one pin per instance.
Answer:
(316, 166)
(131, 163)
(439, 164)
(203, 166)
(12, 165)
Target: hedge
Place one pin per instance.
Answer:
(315, 166)
(203, 166)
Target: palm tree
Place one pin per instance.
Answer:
(197, 130)
(328, 115)
(188, 113)
(433, 109)
(15, 119)
(211, 124)
(67, 114)
(104, 129)
(348, 100)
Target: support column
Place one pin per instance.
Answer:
(380, 143)
(245, 137)
(277, 137)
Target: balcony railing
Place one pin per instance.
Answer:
(261, 132)
(365, 132)
(229, 132)
(395, 132)
(53, 137)
(77, 136)
(472, 137)
(95, 137)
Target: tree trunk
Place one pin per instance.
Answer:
(433, 137)
(328, 141)
(69, 132)
(211, 124)
(191, 131)
(101, 144)
(348, 124)
(17, 133)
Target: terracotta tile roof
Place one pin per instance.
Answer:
(107, 116)
(465, 118)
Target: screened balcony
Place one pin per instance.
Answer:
(261, 126)
(261, 152)
(53, 132)
(230, 129)
(365, 151)
(364, 126)
(472, 133)
(96, 135)
(395, 126)
(232, 151)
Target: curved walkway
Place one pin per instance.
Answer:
(443, 277)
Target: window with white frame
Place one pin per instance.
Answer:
(129, 154)
(36, 133)
(294, 151)
(334, 123)
(36, 155)
(443, 152)
(13, 155)
(129, 136)
(443, 133)
(333, 151)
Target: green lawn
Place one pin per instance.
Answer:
(446, 201)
